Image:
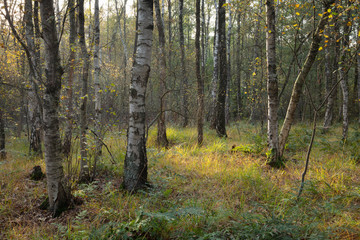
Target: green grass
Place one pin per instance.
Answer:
(212, 192)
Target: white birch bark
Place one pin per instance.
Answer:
(135, 167)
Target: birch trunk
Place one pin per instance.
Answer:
(329, 75)
(200, 82)
(300, 80)
(34, 108)
(59, 196)
(135, 168)
(238, 64)
(272, 84)
(97, 86)
(84, 167)
(344, 76)
(215, 77)
(228, 42)
(183, 66)
(220, 105)
(358, 83)
(161, 134)
(70, 111)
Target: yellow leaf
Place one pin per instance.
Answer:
(254, 74)
(297, 5)
(320, 48)
(297, 13)
(329, 10)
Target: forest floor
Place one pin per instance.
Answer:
(210, 192)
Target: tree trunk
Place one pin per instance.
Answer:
(220, 105)
(183, 66)
(161, 134)
(59, 194)
(135, 168)
(70, 111)
(2, 135)
(272, 84)
(344, 76)
(227, 110)
(34, 108)
(329, 75)
(200, 82)
(215, 77)
(84, 167)
(238, 64)
(97, 87)
(358, 81)
(300, 80)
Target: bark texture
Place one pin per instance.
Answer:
(183, 65)
(135, 168)
(84, 167)
(161, 134)
(300, 80)
(33, 107)
(220, 105)
(200, 82)
(59, 196)
(69, 101)
(215, 75)
(272, 84)
(97, 87)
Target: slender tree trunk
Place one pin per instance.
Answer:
(183, 66)
(97, 57)
(227, 110)
(344, 76)
(300, 80)
(59, 194)
(161, 134)
(2, 135)
(215, 77)
(272, 84)
(358, 81)
(239, 64)
(84, 167)
(34, 111)
(200, 82)
(220, 105)
(329, 75)
(135, 168)
(72, 55)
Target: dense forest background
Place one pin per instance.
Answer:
(152, 113)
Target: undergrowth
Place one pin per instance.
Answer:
(223, 190)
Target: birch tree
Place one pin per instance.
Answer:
(300, 80)
(272, 84)
(161, 133)
(59, 196)
(135, 167)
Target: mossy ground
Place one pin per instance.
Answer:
(212, 192)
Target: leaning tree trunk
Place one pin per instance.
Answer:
(200, 82)
(59, 195)
(84, 167)
(300, 80)
(135, 168)
(161, 134)
(272, 84)
(34, 107)
(183, 66)
(220, 105)
(215, 76)
(71, 63)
